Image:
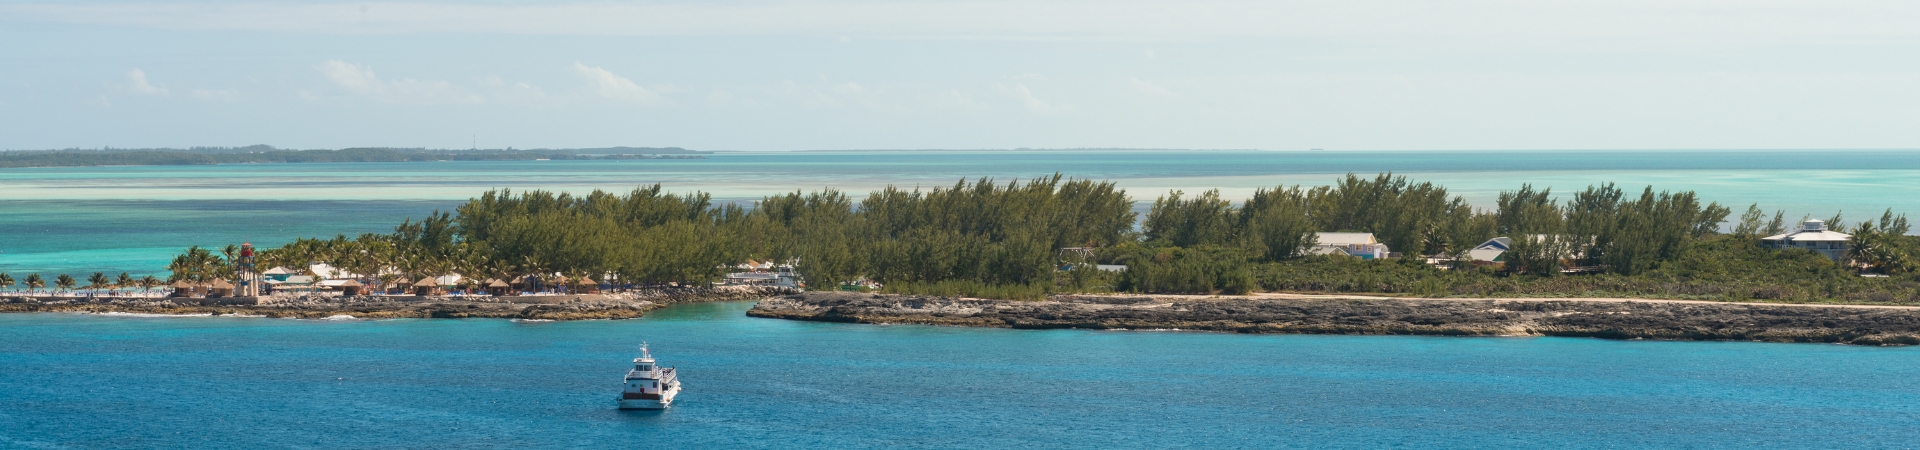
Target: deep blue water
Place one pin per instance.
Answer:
(85, 381)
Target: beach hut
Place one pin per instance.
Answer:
(586, 285)
(397, 286)
(182, 289)
(496, 287)
(526, 283)
(426, 286)
(220, 288)
(350, 287)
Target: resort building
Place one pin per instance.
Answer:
(1492, 251)
(1361, 245)
(1812, 235)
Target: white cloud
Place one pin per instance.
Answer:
(849, 88)
(216, 95)
(1149, 89)
(360, 80)
(608, 85)
(954, 100)
(141, 86)
(1032, 103)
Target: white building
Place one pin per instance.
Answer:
(1812, 235)
(1362, 245)
(1491, 251)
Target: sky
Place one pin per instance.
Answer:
(963, 74)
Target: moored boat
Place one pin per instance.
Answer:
(649, 386)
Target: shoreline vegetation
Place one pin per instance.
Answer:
(260, 154)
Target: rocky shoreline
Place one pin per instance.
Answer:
(1601, 318)
(626, 305)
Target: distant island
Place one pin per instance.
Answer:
(257, 154)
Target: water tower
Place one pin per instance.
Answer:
(249, 277)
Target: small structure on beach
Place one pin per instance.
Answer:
(495, 287)
(1362, 245)
(1812, 235)
(349, 287)
(220, 288)
(425, 287)
(182, 289)
(278, 273)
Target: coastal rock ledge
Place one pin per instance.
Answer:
(623, 305)
(1283, 313)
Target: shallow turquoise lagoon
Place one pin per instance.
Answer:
(86, 381)
(133, 219)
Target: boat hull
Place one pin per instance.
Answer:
(665, 400)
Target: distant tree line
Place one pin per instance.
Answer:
(265, 154)
(982, 237)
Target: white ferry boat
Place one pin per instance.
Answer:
(648, 385)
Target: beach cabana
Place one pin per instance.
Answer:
(586, 285)
(397, 286)
(426, 286)
(181, 289)
(220, 288)
(350, 287)
(496, 287)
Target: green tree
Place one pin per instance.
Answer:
(148, 282)
(34, 282)
(6, 281)
(1204, 219)
(1275, 225)
(65, 282)
(124, 281)
(98, 281)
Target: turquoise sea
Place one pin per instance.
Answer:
(89, 381)
(81, 220)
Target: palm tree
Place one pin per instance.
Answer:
(6, 281)
(98, 281)
(65, 282)
(34, 282)
(123, 282)
(147, 283)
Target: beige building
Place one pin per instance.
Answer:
(1812, 235)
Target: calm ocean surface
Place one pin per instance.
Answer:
(88, 381)
(81, 220)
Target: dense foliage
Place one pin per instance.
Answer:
(1006, 240)
(1715, 268)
